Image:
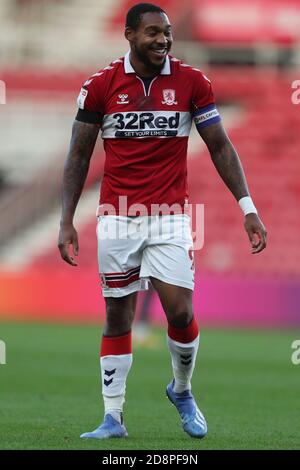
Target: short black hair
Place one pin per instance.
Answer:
(134, 15)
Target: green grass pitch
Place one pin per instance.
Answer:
(244, 382)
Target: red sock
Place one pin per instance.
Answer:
(116, 345)
(184, 335)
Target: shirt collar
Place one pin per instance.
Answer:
(129, 69)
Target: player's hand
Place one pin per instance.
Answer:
(256, 232)
(68, 236)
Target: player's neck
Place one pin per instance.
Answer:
(140, 68)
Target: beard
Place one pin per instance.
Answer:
(143, 57)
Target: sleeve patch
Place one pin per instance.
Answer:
(81, 98)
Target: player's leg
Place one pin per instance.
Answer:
(183, 342)
(168, 262)
(120, 313)
(116, 352)
(119, 262)
(115, 364)
(183, 335)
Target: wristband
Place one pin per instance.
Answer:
(247, 206)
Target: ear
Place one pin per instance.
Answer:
(129, 33)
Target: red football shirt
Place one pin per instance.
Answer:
(145, 132)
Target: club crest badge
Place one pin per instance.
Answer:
(169, 97)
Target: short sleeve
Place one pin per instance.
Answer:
(90, 100)
(204, 107)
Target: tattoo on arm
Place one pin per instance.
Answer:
(225, 159)
(76, 168)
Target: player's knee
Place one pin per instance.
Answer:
(181, 317)
(118, 321)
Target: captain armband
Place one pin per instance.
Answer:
(206, 116)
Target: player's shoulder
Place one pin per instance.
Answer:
(105, 73)
(182, 68)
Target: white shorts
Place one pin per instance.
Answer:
(133, 249)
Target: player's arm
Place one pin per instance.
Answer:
(229, 167)
(84, 136)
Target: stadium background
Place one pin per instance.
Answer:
(250, 50)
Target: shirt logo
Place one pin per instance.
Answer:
(123, 99)
(146, 124)
(169, 97)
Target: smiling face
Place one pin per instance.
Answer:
(151, 42)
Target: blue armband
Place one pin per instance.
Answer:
(206, 116)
